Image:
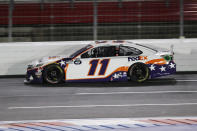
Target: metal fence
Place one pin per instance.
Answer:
(73, 20)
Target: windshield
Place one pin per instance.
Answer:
(76, 53)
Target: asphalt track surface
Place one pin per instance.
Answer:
(171, 96)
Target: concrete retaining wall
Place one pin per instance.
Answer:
(14, 57)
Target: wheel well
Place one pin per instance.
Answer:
(44, 68)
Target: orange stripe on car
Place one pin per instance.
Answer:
(161, 61)
(65, 70)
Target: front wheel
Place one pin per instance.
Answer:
(138, 72)
(53, 74)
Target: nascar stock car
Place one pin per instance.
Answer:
(103, 61)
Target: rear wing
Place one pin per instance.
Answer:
(172, 49)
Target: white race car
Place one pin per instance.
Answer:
(103, 61)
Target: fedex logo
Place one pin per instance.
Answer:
(136, 58)
(133, 58)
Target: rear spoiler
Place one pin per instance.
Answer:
(172, 49)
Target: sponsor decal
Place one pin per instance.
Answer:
(52, 57)
(136, 58)
(133, 58)
(118, 75)
(143, 57)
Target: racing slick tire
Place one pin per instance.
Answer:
(138, 72)
(53, 74)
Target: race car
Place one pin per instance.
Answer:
(102, 61)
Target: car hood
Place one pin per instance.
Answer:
(46, 60)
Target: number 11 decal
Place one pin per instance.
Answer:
(93, 66)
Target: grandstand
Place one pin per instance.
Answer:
(73, 20)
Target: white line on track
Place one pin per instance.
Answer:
(94, 106)
(187, 80)
(103, 93)
(147, 92)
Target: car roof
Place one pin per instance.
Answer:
(122, 43)
(112, 43)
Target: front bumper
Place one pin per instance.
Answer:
(34, 76)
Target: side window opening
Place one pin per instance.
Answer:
(103, 51)
(106, 51)
(128, 51)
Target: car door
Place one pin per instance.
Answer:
(97, 64)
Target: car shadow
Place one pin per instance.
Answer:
(152, 82)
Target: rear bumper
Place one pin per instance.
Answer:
(157, 70)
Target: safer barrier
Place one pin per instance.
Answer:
(15, 56)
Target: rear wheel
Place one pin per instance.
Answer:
(138, 72)
(53, 74)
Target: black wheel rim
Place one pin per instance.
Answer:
(139, 73)
(53, 75)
